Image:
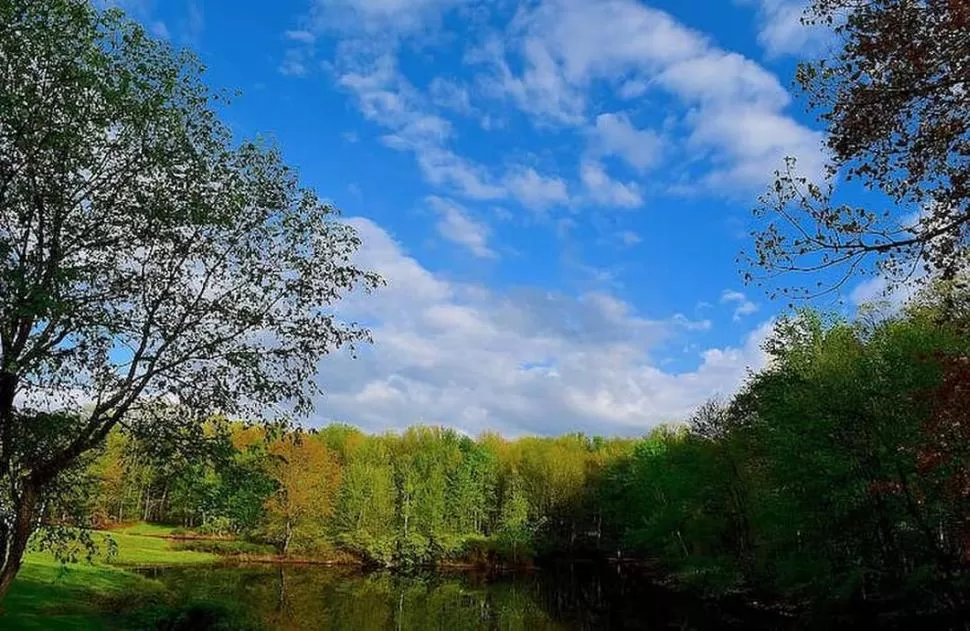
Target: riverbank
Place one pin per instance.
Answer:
(113, 590)
(99, 593)
(119, 589)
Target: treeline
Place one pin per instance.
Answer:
(427, 495)
(840, 473)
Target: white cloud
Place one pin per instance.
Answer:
(455, 225)
(528, 361)
(302, 36)
(293, 64)
(876, 290)
(733, 108)
(780, 30)
(443, 167)
(387, 98)
(749, 158)
(614, 134)
(541, 90)
(421, 130)
(604, 190)
(378, 17)
(384, 95)
(743, 306)
(534, 190)
(728, 112)
(450, 95)
(629, 238)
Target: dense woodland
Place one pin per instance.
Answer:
(840, 472)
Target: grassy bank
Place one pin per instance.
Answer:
(102, 594)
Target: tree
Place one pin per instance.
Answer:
(513, 527)
(152, 270)
(896, 109)
(472, 488)
(365, 515)
(307, 476)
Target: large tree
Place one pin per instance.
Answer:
(307, 476)
(153, 271)
(894, 98)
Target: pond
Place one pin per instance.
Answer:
(566, 596)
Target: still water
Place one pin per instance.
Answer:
(565, 597)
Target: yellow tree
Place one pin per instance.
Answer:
(307, 475)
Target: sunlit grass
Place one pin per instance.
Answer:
(48, 594)
(135, 549)
(146, 529)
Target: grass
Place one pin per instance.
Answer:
(144, 550)
(147, 530)
(48, 594)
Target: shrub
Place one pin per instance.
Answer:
(225, 546)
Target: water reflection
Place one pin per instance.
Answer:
(561, 597)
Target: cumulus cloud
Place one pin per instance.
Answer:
(725, 115)
(614, 134)
(732, 107)
(522, 361)
(780, 28)
(878, 290)
(604, 190)
(742, 305)
(534, 190)
(386, 97)
(455, 225)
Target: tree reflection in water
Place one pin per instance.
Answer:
(566, 597)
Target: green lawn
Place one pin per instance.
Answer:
(50, 595)
(146, 529)
(142, 549)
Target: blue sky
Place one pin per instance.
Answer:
(555, 190)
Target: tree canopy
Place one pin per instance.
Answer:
(893, 99)
(153, 271)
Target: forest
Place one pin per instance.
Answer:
(169, 291)
(838, 474)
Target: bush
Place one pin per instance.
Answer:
(479, 551)
(217, 526)
(372, 550)
(225, 547)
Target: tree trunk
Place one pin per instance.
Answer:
(18, 536)
(287, 535)
(148, 504)
(683, 545)
(163, 506)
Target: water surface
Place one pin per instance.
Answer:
(563, 597)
